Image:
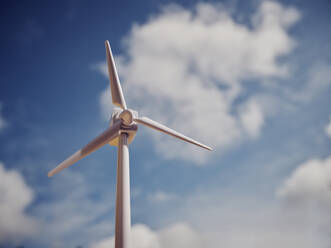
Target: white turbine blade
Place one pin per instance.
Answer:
(95, 144)
(115, 86)
(159, 127)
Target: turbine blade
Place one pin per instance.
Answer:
(115, 86)
(159, 127)
(95, 144)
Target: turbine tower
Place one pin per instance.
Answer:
(122, 129)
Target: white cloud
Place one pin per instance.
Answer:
(307, 195)
(141, 237)
(178, 235)
(15, 197)
(185, 69)
(328, 128)
(105, 243)
(251, 117)
(310, 182)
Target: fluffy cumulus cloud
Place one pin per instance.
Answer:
(309, 183)
(178, 235)
(15, 197)
(141, 237)
(307, 195)
(187, 69)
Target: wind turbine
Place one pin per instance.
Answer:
(122, 129)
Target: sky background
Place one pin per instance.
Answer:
(252, 79)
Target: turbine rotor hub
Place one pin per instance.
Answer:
(127, 116)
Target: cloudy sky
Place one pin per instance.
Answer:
(252, 79)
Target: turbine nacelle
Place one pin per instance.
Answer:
(123, 122)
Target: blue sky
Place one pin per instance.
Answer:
(250, 78)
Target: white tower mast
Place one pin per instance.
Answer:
(123, 211)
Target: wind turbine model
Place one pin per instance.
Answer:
(122, 129)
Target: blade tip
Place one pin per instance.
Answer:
(207, 148)
(107, 44)
(50, 174)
